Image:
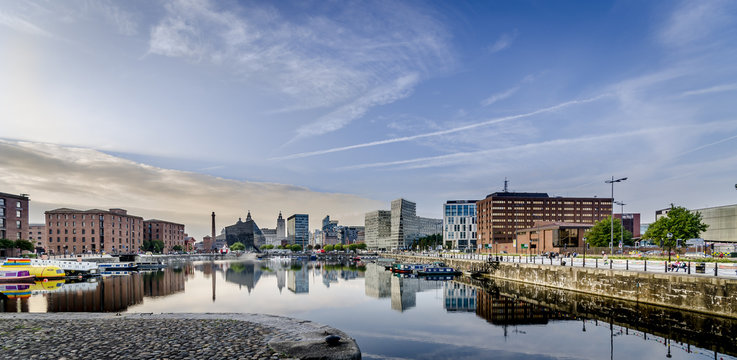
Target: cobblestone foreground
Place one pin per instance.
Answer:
(167, 336)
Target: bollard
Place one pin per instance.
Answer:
(597, 263)
(610, 263)
(716, 266)
(666, 265)
(627, 264)
(689, 267)
(645, 265)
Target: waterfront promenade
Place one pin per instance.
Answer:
(172, 336)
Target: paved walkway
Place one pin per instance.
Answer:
(166, 336)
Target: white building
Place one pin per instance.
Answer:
(459, 224)
(403, 225)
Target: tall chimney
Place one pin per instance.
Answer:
(213, 227)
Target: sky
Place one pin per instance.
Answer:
(175, 109)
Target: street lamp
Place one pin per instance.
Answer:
(585, 245)
(621, 227)
(670, 236)
(611, 238)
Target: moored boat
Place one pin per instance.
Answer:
(407, 268)
(15, 275)
(437, 268)
(40, 272)
(127, 266)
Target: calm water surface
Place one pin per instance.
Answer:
(402, 318)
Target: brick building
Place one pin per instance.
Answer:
(501, 214)
(36, 235)
(170, 233)
(13, 216)
(631, 222)
(71, 231)
(546, 236)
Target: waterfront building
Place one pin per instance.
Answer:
(170, 233)
(207, 243)
(298, 230)
(350, 234)
(546, 236)
(661, 213)
(13, 216)
(281, 229)
(245, 232)
(189, 242)
(501, 214)
(631, 223)
(722, 221)
(36, 235)
(269, 236)
(72, 231)
(459, 297)
(403, 225)
(459, 224)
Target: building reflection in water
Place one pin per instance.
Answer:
(404, 290)
(459, 297)
(244, 274)
(506, 310)
(378, 281)
(112, 294)
(298, 280)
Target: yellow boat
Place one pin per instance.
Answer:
(22, 291)
(40, 272)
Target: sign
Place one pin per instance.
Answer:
(523, 246)
(620, 244)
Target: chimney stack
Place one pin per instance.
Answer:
(213, 227)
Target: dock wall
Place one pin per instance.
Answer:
(709, 295)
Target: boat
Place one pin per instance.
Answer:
(127, 266)
(40, 272)
(437, 268)
(407, 268)
(16, 291)
(15, 276)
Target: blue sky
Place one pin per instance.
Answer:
(373, 101)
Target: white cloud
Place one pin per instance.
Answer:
(692, 21)
(710, 90)
(18, 24)
(358, 58)
(58, 176)
(504, 41)
(499, 96)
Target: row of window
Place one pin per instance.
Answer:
(92, 239)
(17, 203)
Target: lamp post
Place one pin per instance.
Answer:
(670, 236)
(621, 219)
(584, 253)
(611, 238)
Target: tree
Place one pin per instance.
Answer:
(679, 222)
(362, 246)
(266, 246)
(309, 247)
(177, 248)
(317, 246)
(600, 234)
(328, 247)
(338, 247)
(154, 246)
(23, 245)
(296, 247)
(237, 246)
(6, 244)
(353, 247)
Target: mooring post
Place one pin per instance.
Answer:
(597, 263)
(689, 267)
(645, 264)
(716, 266)
(627, 264)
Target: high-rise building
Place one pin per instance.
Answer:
(459, 224)
(298, 230)
(13, 216)
(73, 231)
(281, 230)
(501, 214)
(170, 233)
(405, 227)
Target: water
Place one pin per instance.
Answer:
(404, 318)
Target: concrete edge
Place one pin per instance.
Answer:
(302, 339)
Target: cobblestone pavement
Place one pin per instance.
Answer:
(125, 338)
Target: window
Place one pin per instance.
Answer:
(2, 202)
(17, 213)
(17, 205)
(51, 231)
(17, 224)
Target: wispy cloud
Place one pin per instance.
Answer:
(504, 41)
(57, 176)
(712, 89)
(499, 96)
(692, 21)
(364, 55)
(18, 24)
(443, 132)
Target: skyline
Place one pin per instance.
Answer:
(341, 108)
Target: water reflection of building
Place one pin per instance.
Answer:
(298, 280)
(504, 310)
(378, 281)
(112, 294)
(162, 283)
(244, 274)
(404, 291)
(459, 297)
(329, 276)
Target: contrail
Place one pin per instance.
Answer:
(441, 132)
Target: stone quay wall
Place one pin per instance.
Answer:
(710, 295)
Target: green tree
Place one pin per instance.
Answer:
(328, 247)
(267, 246)
(296, 247)
(680, 223)
(338, 247)
(6, 244)
(600, 234)
(362, 245)
(317, 246)
(23, 245)
(237, 246)
(177, 248)
(309, 247)
(353, 247)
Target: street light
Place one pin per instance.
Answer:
(611, 238)
(585, 245)
(621, 227)
(670, 236)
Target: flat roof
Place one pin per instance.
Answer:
(14, 196)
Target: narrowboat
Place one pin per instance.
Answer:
(40, 272)
(407, 268)
(438, 269)
(15, 275)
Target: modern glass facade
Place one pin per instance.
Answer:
(298, 229)
(403, 225)
(459, 224)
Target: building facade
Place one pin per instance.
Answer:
(13, 216)
(281, 229)
(172, 234)
(722, 221)
(403, 225)
(298, 229)
(245, 232)
(631, 223)
(37, 235)
(459, 224)
(546, 236)
(501, 214)
(73, 231)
